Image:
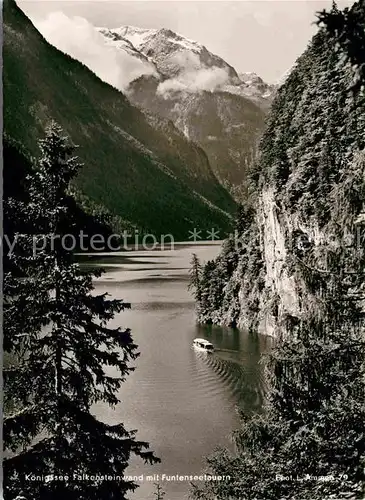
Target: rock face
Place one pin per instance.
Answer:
(274, 228)
(203, 95)
(308, 197)
(226, 126)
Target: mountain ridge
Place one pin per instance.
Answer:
(159, 46)
(206, 99)
(42, 83)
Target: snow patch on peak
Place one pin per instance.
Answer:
(136, 36)
(140, 36)
(115, 40)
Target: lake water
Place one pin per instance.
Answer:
(181, 401)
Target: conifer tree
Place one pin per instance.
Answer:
(67, 358)
(208, 290)
(195, 277)
(159, 493)
(347, 27)
(245, 215)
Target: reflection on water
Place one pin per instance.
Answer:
(182, 401)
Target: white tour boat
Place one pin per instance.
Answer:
(203, 345)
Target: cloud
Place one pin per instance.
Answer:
(79, 38)
(191, 75)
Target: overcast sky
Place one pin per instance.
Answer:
(261, 36)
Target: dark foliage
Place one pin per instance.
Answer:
(64, 355)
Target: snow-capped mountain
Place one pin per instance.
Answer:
(214, 106)
(170, 53)
(188, 62)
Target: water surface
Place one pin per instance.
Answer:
(181, 401)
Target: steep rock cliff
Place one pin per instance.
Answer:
(311, 163)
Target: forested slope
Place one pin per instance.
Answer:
(311, 160)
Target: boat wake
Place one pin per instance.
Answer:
(243, 378)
